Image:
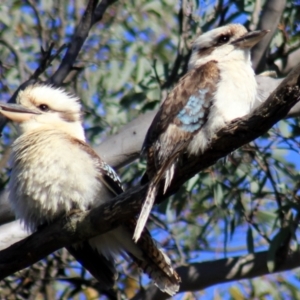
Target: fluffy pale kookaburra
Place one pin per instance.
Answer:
(54, 171)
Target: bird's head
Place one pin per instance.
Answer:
(227, 43)
(40, 107)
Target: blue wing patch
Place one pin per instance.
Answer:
(192, 116)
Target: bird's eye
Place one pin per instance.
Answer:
(224, 38)
(43, 107)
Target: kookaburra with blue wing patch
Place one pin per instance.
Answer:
(54, 172)
(218, 87)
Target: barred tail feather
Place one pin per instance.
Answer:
(168, 172)
(146, 209)
(167, 283)
(155, 263)
(169, 176)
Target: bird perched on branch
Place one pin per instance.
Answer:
(54, 172)
(218, 87)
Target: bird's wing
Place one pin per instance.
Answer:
(183, 112)
(109, 177)
(179, 118)
(106, 173)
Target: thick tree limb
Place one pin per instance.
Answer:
(269, 19)
(198, 276)
(75, 228)
(99, 220)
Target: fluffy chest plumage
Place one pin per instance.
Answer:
(236, 90)
(233, 98)
(50, 176)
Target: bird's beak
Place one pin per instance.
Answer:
(17, 112)
(250, 39)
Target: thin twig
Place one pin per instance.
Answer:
(18, 57)
(40, 30)
(92, 14)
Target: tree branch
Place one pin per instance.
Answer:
(109, 215)
(92, 14)
(269, 19)
(69, 230)
(18, 57)
(199, 276)
(100, 10)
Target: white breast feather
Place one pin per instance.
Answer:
(235, 97)
(46, 181)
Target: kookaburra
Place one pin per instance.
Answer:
(54, 171)
(218, 87)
